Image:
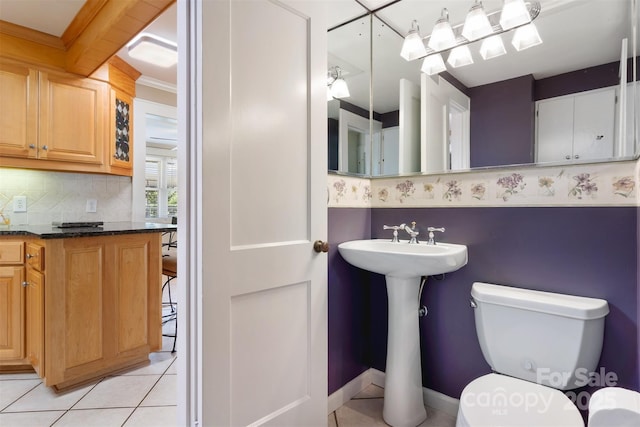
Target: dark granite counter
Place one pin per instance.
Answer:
(108, 229)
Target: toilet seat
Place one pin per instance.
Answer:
(499, 400)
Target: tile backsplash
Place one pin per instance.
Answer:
(61, 196)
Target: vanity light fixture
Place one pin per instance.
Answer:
(413, 47)
(514, 13)
(442, 36)
(460, 56)
(337, 86)
(476, 24)
(154, 50)
(526, 37)
(492, 47)
(433, 64)
(479, 25)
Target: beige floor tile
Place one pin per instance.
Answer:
(360, 412)
(173, 369)
(331, 421)
(118, 392)
(164, 393)
(43, 398)
(158, 364)
(29, 419)
(19, 376)
(112, 417)
(371, 391)
(437, 418)
(158, 416)
(11, 390)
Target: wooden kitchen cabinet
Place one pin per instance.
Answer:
(121, 140)
(102, 306)
(12, 303)
(18, 109)
(35, 306)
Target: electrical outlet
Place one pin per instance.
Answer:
(19, 203)
(92, 205)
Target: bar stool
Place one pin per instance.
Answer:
(170, 270)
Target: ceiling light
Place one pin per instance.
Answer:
(413, 46)
(514, 13)
(442, 36)
(433, 64)
(460, 56)
(526, 37)
(492, 47)
(154, 50)
(476, 24)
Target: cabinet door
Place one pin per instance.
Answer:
(555, 130)
(11, 313)
(593, 125)
(121, 136)
(35, 320)
(18, 110)
(73, 112)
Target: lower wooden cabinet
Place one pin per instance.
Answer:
(102, 305)
(12, 320)
(82, 307)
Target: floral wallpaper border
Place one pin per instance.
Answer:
(601, 184)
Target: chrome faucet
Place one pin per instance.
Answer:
(432, 240)
(412, 233)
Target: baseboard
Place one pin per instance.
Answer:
(432, 398)
(350, 389)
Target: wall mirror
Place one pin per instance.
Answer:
(567, 100)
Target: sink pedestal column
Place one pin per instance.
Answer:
(403, 401)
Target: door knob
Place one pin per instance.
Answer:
(320, 246)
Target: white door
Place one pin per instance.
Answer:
(254, 106)
(554, 121)
(409, 145)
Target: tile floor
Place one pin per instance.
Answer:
(365, 409)
(147, 397)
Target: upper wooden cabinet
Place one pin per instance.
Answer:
(59, 121)
(73, 114)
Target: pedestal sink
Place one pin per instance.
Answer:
(403, 264)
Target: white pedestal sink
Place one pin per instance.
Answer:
(403, 266)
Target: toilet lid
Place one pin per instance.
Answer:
(498, 400)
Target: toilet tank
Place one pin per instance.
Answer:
(543, 337)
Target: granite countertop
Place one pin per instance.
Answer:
(108, 229)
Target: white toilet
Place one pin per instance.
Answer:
(537, 343)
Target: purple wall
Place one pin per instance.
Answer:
(502, 122)
(587, 251)
(348, 299)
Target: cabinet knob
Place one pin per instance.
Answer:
(568, 157)
(25, 284)
(29, 256)
(32, 146)
(44, 147)
(577, 156)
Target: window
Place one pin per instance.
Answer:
(161, 187)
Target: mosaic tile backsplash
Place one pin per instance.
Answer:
(601, 184)
(60, 196)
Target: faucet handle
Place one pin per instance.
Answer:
(432, 240)
(395, 229)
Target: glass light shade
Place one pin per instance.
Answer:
(460, 56)
(492, 47)
(413, 47)
(339, 89)
(433, 64)
(442, 36)
(514, 13)
(476, 24)
(154, 51)
(526, 37)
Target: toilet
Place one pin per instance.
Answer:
(537, 344)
